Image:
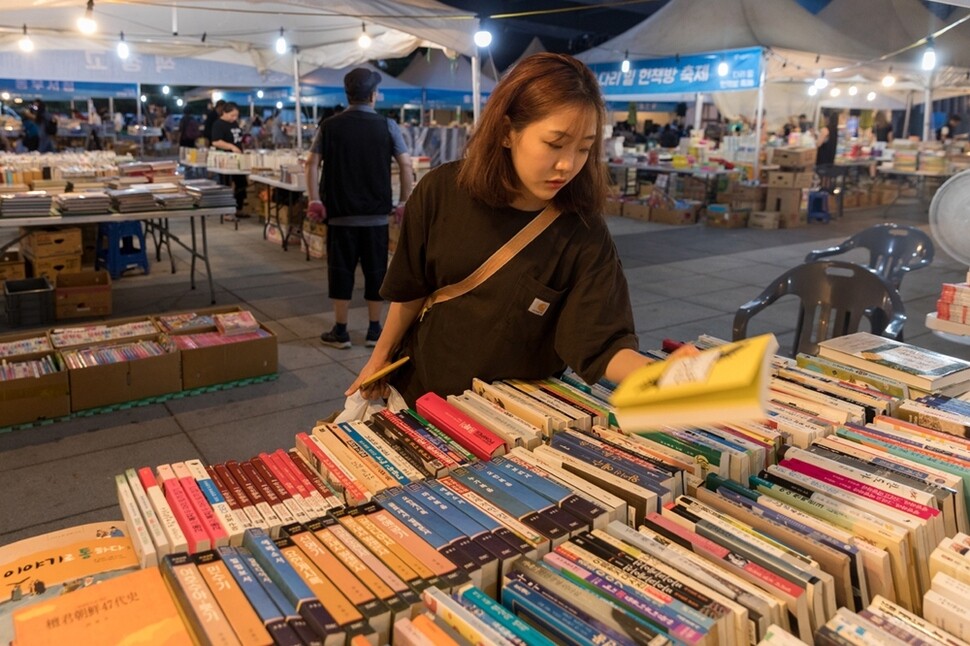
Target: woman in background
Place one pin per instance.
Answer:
(882, 130)
(828, 140)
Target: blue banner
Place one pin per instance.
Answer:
(51, 90)
(681, 74)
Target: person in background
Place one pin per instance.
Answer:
(94, 121)
(828, 140)
(948, 131)
(355, 149)
(211, 116)
(188, 130)
(227, 135)
(279, 138)
(563, 299)
(882, 130)
(46, 126)
(804, 124)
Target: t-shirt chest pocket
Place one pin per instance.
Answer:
(532, 310)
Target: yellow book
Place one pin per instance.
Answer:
(726, 383)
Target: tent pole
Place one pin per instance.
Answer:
(698, 111)
(252, 109)
(296, 96)
(138, 103)
(928, 108)
(476, 87)
(111, 106)
(315, 120)
(759, 124)
(909, 110)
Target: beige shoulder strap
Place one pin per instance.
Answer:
(497, 260)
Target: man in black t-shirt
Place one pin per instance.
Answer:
(227, 135)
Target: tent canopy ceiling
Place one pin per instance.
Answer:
(245, 31)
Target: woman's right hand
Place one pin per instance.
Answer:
(377, 390)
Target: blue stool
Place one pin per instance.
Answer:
(818, 206)
(117, 250)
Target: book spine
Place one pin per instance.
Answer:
(499, 532)
(271, 616)
(499, 613)
(355, 564)
(322, 496)
(231, 599)
(451, 612)
(217, 535)
(326, 466)
(299, 487)
(370, 559)
(220, 508)
(245, 512)
(434, 460)
(206, 619)
(442, 440)
(255, 498)
(368, 474)
(404, 462)
(392, 560)
(140, 537)
(366, 451)
(195, 535)
(470, 434)
(152, 522)
(267, 493)
(436, 562)
(166, 517)
(523, 531)
(290, 501)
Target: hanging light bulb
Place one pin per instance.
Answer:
(122, 49)
(5, 96)
(25, 43)
(723, 68)
(888, 79)
(929, 55)
(86, 23)
(812, 90)
(179, 102)
(871, 96)
(279, 105)
(281, 43)
(853, 90)
(834, 92)
(259, 94)
(625, 65)
(364, 40)
(143, 98)
(166, 89)
(821, 82)
(482, 37)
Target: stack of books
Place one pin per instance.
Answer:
(28, 204)
(96, 333)
(952, 313)
(129, 200)
(210, 195)
(125, 182)
(174, 201)
(87, 203)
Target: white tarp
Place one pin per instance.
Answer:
(445, 81)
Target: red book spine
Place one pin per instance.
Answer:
(467, 432)
(195, 535)
(247, 505)
(301, 487)
(330, 499)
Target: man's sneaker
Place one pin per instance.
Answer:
(372, 336)
(335, 340)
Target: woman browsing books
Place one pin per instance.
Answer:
(535, 162)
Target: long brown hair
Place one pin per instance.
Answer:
(535, 88)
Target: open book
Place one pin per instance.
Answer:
(726, 383)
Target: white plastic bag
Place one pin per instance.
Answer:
(358, 409)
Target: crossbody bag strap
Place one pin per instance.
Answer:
(496, 261)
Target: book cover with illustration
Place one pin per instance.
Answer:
(44, 567)
(232, 323)
(722, 384)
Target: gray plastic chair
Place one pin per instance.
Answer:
(835, 297)
(893, 250)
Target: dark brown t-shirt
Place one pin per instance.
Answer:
(563, 300)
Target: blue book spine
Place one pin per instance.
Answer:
(470, 510)
(295, 622)
(566, 628)
(467, 525)
(544, 486)
(532, 499)
(471, 596)
(419, 521)
(616, 465)
(503, 499)
(266, 610)
(375, 454)
(210, 491)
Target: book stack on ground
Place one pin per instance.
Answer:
(87, 203)
(28, 204)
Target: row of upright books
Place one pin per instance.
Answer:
(522, 512)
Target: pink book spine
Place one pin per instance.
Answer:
(302, 488)
(195, 535)
(861, 489)
(213, 528)
(713, 550)
(352, 492)
(470, 434)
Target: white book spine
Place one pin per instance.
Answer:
(162, 545)
(951, 616)
(140, 538)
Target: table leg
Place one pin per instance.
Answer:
(205, 259)
(167, 239)
(194, 254)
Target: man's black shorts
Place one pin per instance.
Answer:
(346, 246)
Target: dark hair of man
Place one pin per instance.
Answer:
(229, 106)
(536, 87)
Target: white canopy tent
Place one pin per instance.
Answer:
(446, 82)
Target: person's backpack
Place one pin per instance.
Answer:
(50, 126)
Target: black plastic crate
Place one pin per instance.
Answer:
(29, 301)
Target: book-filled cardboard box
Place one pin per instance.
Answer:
(49, 374)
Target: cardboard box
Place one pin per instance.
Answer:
(274, 236)
(12, 266)
(722, 216)
(89, 243)
(116, 383)
(318, 244)
(613, 206)
(52, 241)
(86, 293)
(792, 220)
(788, 179)
(637, 210)
(673, 215)
(49, 267)
(764, 220)
(793, 157)
(66, 342)
(784, 200)
(32, 399)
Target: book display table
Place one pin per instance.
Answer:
(288, 195)
(157, 223)
(917, 178)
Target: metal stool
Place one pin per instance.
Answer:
(117, 250)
